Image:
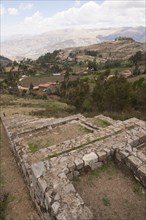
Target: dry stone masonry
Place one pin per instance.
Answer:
(49, 171)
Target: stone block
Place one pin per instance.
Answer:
(128, 148)
(108, 152)
(42, 184)
(124, 154)
(47, 216)
(118, 155)
(70, 176)
(141, 172)
(38, 169)
(48, 200)
(71, 166)
(79, 163)
(102, 156)
(90, 158)
(57, 197)
(141, 156)
(69, 188)
(66, 170)
(62, 216)
(142, 139)
(135, 141)
(76, 173)
(133, 162)
(55, 207)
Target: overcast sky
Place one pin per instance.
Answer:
(38, 16)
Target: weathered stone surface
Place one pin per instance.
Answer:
(76, 173)
(43, 184)
(142, 174)
(62, 216)
(57, 197)
(102, 156)
(47, 216)
(69, 188)
(128, 148)
(70, 176)
(141, 156)
(38, 169)
(89, 159)
(55, 207)
(133, 162)
(48, 200)
(71, 166)
(121, 155)
(79, 163)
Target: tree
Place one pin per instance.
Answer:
(92, 65)
(135, 59)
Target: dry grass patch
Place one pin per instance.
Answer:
(98, 122)
(46, 138)
(12, 105)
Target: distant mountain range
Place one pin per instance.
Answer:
(32, 47)
(4, 60)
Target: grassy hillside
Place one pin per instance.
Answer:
(11, 105)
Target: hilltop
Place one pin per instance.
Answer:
(119, 49)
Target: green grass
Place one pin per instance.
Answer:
(76, 179)
(3, 204)
(1, 180)
(135, 78)
(84, 129)
(129, 205)
(101, 123)
(139, 190)
(33, 147)
(106, 201)
(109, 168)
(125, 115)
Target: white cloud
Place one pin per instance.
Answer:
(77, 3)
(12, 11)
(89, 15)
(25, 6)
(2, 10)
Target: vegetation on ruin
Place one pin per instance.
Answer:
(33, 147)
(99, 123)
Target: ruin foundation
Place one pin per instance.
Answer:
(49, 171)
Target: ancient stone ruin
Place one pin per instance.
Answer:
(49, 167)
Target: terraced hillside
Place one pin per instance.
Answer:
(117, 49)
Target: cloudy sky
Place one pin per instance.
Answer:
(38, 16)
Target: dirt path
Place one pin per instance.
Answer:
(20, 206)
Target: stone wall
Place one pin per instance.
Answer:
(49, 171)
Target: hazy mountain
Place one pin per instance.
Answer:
(4, 60)
(138, 34)
(34, 46)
